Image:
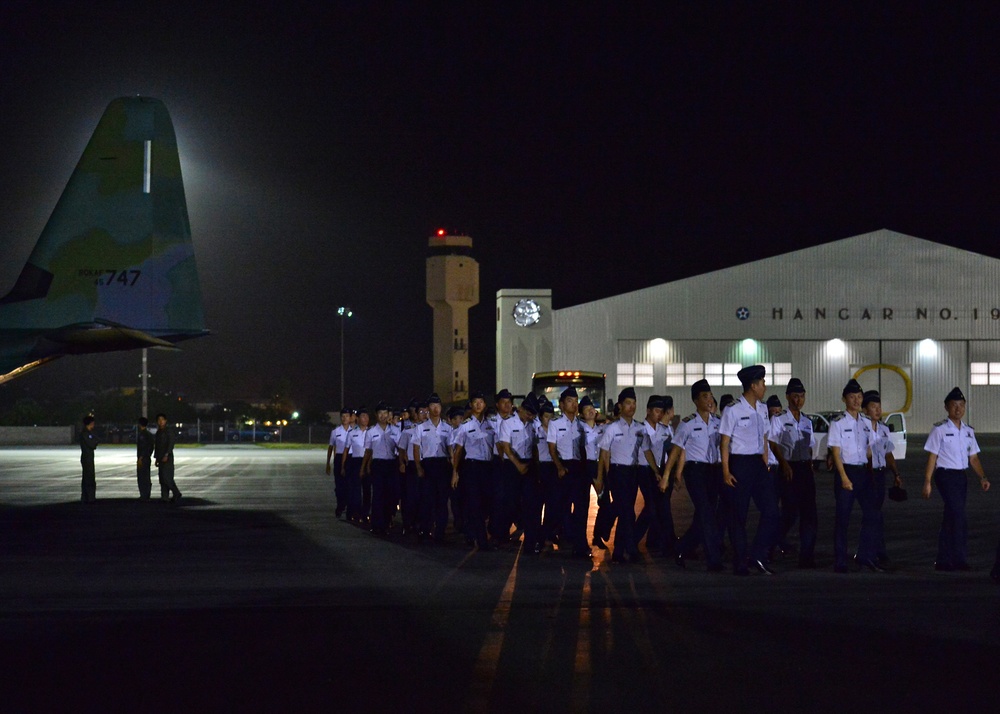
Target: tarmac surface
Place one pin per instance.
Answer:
(251, 596)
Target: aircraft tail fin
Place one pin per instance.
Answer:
(117, 248)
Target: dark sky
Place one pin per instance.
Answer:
(593, 148)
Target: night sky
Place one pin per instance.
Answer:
(592, 148)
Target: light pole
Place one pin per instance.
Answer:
(343, 312)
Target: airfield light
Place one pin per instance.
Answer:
(441, 231)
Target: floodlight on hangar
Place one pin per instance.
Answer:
(836, 347)
(928, 348)
(658, 347)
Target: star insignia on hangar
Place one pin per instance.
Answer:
(742, 313)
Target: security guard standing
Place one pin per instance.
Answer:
(473, 459)
(623, 441)
(335, 453)
(743, 445)
(144, 459)
(952, 448)
(88, 444)
(163, 452)
(882, 461)
(695, 452)
(567, 447)
(792, 433)
(850, 441)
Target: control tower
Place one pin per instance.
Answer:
(452, 288)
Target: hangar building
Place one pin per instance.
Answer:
(909, 317)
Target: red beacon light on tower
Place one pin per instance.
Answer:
(442, 232)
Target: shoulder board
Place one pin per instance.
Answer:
(467, 420)
(688, 418)
(940, 423)
(969, 427)
(838, 417)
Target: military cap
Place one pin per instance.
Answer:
(503, 394)
(455, 411)
(544, 405)
(360, 410)
(586, 401)
(726, 401)
(568, 392)
(852, 387)
(433, 399)
(700, 387)
(476, 395)
(627, 393)
(346, 410)
(382, 407)
(955, 395)
(749, 375)
(871, 396)
(530, 404)
(773, 401)
(423, 404)
(412, 404)
(668, 401)
(795, 386)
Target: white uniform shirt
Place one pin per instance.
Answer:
(521, 437)
(745, 426)
(624, 442)
(700, 440)
(338, 439)
(568, 436)
(407, 438)
(496, 420)
(433, 440)
(476, 438)
(543, 440)
(853, 436)
(382, 442)
(952, 444)
(658, 434)
(592, 439)
(356, 441)
(794, 436)
(881, 445)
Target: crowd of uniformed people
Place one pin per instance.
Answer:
(521, 475)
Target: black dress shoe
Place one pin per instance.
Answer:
(872, 566)
(583, 555)
(679, 561)
(761, 567)
(538, 548)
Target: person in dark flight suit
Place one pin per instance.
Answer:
(144, 443)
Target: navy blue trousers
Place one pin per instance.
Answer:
(798, 502)
(506, 501)
(476, 480)
(409, 497)
(385, 492)
(864, 492)
(352, 482)
(605, 519)
(576, 486)
(624, 485)
(880, 488)
(953, 485)
(753, 482)
(339, 483)
(703, 483)
(550, 487)
(655, 521)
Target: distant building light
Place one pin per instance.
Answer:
(441, 231)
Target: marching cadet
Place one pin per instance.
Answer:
(357, 483)
(850, 441)
(518, 439)
(952, 448)
(882, 461)
(777, 466)
(88, 445)
(621, 445)
(744, 446)
(163, 453)
(695, 452)
(456, 415)
(792, 434)
(474, 453)
(409, 485)
(567, 447)
(504, 409)
(335, 452)
(379, 461)
(431, 456)
(592, 433)
(144, 445)
(548, 477)
(668, 539)
(650, 517)
(605, 519)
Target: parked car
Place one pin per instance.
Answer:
(821, 429)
